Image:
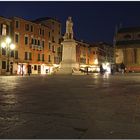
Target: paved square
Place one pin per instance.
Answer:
(86, 106)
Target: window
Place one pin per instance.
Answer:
(43, 43)
(42, 57)
(49, 58)
(49, 46)
(12, 53)
(26, 40)
(38, 42)
(52, 38)
(3, 51)
(38, 57)
(32, 42)
(43, 32)
(16, 54)
(27, 27)
(3, 64)
(35, 42)
(35, 67)
(4, 29)
(49, 34)
(30, 56)
(31, 28)
(53, 48)
(26, 56)
(16, 38)
(17, 24)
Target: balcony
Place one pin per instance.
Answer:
(32, 47)
(36, 47)
(39, 48)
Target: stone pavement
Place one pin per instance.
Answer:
(85, 106)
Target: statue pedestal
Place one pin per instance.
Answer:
(68, 57)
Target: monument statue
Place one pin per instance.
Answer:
(69, 29)
(69, 64)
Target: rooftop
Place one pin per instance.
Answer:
(46, 18)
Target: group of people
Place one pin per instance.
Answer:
(114, 68)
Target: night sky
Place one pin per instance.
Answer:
(93, 21)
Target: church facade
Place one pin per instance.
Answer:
(127, 48)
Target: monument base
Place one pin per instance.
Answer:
(68, 68)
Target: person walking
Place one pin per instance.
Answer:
(101, 69)
(122, 66)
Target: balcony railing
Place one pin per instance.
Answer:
(36, 47)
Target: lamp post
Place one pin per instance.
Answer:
(8, 46)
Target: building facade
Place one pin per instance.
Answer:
(38, 47)
(54, 36)
(127, 48)
(5, 30)
(94, 55)
(102, 54)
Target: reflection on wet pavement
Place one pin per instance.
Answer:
(89, 106)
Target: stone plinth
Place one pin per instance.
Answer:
(68, 57)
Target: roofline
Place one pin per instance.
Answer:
(47, 18)
(82, 42)
(29, 21)
(2, 17)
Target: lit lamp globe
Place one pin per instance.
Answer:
(3, 44)
(8, 40)
(12, 46)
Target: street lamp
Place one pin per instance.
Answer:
(9, 46)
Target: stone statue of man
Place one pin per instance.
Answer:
(69, 29)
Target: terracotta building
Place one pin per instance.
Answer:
(31, 40)
(127, 48)
(55, 48)
(37, 45)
